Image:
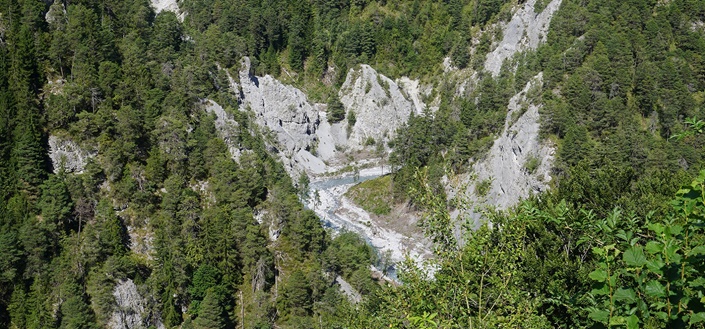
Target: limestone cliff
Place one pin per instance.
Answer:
(131, 311)
(517, 165)
(66, 154)
(378, 103)
(523, 32)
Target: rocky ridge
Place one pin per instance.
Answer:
(523, 32)
(517, 165)
(302, 137)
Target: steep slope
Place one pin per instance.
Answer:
(302, 136)
(378, 103)
(523, 32)
(518, 164)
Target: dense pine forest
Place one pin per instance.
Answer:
(617, 241)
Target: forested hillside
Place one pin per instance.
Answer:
(160, 223)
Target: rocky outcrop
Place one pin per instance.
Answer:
(66, 154)
(517, 165)
(225, 125)
(350, 292)
(378, 103)
(131, 309)
(168, 5)
(523, 32)
(281, 110)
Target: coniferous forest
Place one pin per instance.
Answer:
(617, 241)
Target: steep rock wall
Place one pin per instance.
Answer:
(67, 154)
(226, 127)
(506, 163)
(378, 103)
(523, 32)
(130, 309)
(283, 110)
(303, 138)
(517, 165)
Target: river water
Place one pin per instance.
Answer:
(326, 198)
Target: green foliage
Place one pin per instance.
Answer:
(336, 110)
(210, 313)
(348, 253)
(656, 278)
(352, 119)
(122, 81)
(532, 163)
(375, 195)
(483, 187)
(295, 299)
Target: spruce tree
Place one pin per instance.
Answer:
(336, 110)
(210, 313)
(27, 153)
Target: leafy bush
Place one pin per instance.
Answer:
(483, 187)
(532, 163)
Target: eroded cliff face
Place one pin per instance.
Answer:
(131, 311)
(525, 31)
(301, 134)
(284, 113)
(517, 165)
(66, 154)
(225, 125)
(378, 103)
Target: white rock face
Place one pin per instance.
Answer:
(130, 308)
(168, 5)
(414, 92)
(348, 290)
(506, 161)
(505, 164)
(524, 32)
(378, 103)
(66, 153)
(281, 109)
(226, 127)
(301, 135)
(448, 65)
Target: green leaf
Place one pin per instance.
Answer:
(699, 282)
(616, 320)
(683, 191)
(654, 288)
(699, 250)
(626, 295)
(656, 265)
(654, 247)
(661, 315)
(604, 290)
(632, 322)
(674, 229)
(599, 315)
(656, 227)
(598, 275)
(672, 253)
(634, 257)
(697, 317)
